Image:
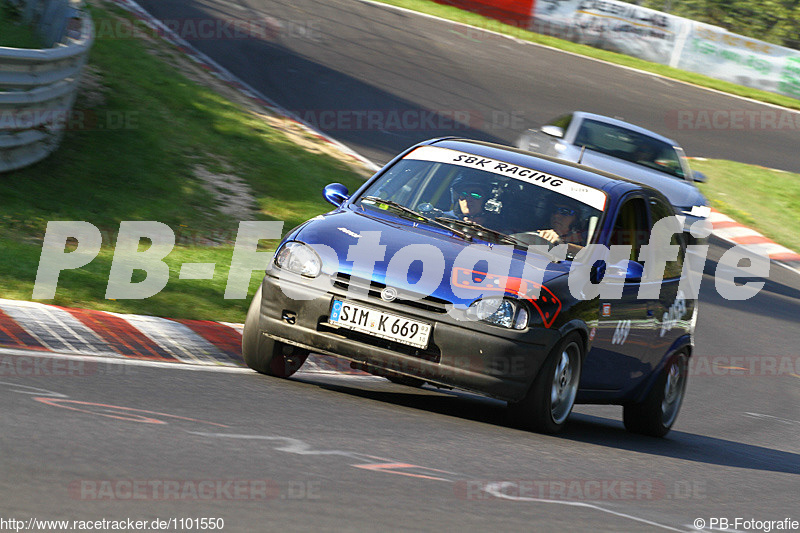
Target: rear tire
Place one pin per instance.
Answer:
(550, 399)
(266, 355)
(659, 410)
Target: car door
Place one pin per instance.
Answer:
(624, 330)
(672, 311)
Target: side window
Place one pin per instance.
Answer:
(436, 188)
(400, 181)
(631, 227)
(661, 210)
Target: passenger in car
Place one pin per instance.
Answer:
(566, 225)
(645, 154)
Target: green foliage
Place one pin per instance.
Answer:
(9, 10)
(13, 33)
(139, 130)
(773, 21)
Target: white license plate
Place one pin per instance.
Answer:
(379, 324)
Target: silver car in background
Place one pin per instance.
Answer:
(624, 149)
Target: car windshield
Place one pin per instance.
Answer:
(488, 198)
(631, 146)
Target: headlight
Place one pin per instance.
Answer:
(299, 258)
(499, 312)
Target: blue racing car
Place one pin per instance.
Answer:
(464, 264)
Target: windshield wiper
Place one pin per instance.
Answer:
(499, 235)
(418, 216)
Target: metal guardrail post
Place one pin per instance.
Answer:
(38, 86)
(30, 10)
(53, 19)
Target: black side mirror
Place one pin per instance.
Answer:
(598, 272)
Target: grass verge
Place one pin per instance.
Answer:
(85, 287)
(146, 120)
(459, 15)
(764, 199)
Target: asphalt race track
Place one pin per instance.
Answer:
(339, 452)
(349, 56)
(333, 452)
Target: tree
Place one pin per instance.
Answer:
(773, 21)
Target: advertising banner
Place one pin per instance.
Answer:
(715, 52)
(515, 12)
(616, 26)
(653, 36)
(670, 40)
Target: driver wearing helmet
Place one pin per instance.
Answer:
(469, 199)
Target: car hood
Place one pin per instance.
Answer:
(680, 193)
(344, 228)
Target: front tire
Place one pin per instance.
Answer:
(550, 399)
(266, 355)
(659, 410)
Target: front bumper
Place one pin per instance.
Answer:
(463, 354)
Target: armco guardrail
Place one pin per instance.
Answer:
(38, 86)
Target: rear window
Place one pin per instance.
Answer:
(631, 146)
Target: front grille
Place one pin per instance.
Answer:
(404, 298)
